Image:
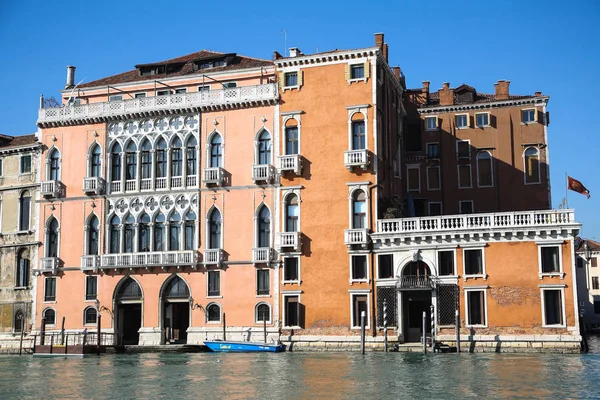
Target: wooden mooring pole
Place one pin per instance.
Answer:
(457, 321)
(43, 332)
(265, 328)
(424, 332)
(363, 317)
(224, 330)
(99, 328)
(23, 322)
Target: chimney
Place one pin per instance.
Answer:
(295, 52)
(385, 51)
(502, 89)
(397, 73)
(425, 89)
(538, 94)
(70, 77)
(446, 95)
(379, 40)
(276, 55)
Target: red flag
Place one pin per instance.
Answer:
(576, 186)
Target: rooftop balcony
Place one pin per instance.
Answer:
(183, 258)
(53, 189)
(292, 163)
(49, 264)
(356, 237)
(263, 173)
(243, 96)
(289, 240)
(356, 159)
(93, 185)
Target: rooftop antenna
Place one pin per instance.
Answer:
(284, 41)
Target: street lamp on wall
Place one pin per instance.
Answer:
(195, 306)
(587, 252)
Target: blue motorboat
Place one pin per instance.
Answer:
(243, 347)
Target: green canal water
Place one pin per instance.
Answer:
(302, 376)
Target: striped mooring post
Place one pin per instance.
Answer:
(385, 337)
(432, 327)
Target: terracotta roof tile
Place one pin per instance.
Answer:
(434, 97)
(16, 141)
(594, 246)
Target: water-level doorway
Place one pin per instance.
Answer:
(176, 311)
(128, 304)
(416, 287)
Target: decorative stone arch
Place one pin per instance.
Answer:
(257, 212)
(358, 113)
(210, 305)
(47, 232)
(126, 308)
(291, 120)
(416, 255)
(122, 282)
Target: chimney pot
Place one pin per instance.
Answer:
(538, 94)
(397, 73)
(70, 77)
(446, 95)
(502, 92)
(385, 51)
(446, 85)
(295, 52)
(379, 40)
(425, 86)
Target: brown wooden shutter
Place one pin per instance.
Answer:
(281, 80)
(347, 71)
(367, 67)
(300, 77)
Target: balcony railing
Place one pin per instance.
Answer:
(288, 240)
(262, 255)
(151, 259)
(146, 184)
(90, 263)
(161, 183)
(213, 99)
(356, 237)
(356, 158)
(176, 182)
(51, 189)
(262, 173)
(93, 185)
(414, 282)
(49, 264)
(115, 187)
(456, 223)
(290, 163)
(213, 256)
(131, 185)
(214, 176)
(191, 181)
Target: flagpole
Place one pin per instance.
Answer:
(567, 189)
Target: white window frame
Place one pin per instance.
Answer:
(55, 291)
(466, 201)
(535, 116)
(560, 287)
(553, 243)
(286, 117)
(353, 187)
(467, 126)
(429, 188)
(115, 97)
(180, 91)
(31, 164)
(483, 289)
(97, 313)
(458, 156)
(363, 280)
(260, 303)
(364, 77)
(85, 288)
(271, 290)
(427, 150)
(435, 202)
(225, 85)
(220, 296)
(285, 199)
(140, 95)
(428, 118)
(489, 120)
(439, 267)
(539, 155)
(360, 292)
(393, 270)
(458, 167)
(285, 75)
(290, 293)
(203, 88)
(418, 168)
(483, 273)
(359, 109)
(491, 168)
(297, 281)
(220, 314)
(55, 314)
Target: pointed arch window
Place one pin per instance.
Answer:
(52, 238)
(22, 268)
(54, 167)
(190, 230)
(159, 232)
(484, 169)
(191, 157)
(264, 148)
(264, 227)
(129, 290)
(216, 151)
(24, 210)
(96, 161)
(115, 235)
(359, 210)
(214, 240)
(161, 158)
(130, 161)
(174, 231)
(532, 165)
(93, 236)
(146, 160)
(144, 238)
(291, 214)
(176, 289)
(115, 167)
(176, 158)
(129, 234)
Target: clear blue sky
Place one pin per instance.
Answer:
(549, 46)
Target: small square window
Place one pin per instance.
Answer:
(50, 289)
(263, 282)
(528, 116)
(291, 79)
(473, 262)
(433, 150)
(462, 120)
(204, 88)
(91, 287)
(482, 120)
(595, 284)
(181, 91)
(139, 95)
(163, 92)
(414, 179)
(464, 176)
(594, 262)
(115, 97)
(446, 262)
(357, 71)
(550, 259)
(214, 283)
(230, 85)
(431, 123)
(25, 164)
(433, 178)
(463, 149)
(466, 206)
(359, 268)
(385, 266)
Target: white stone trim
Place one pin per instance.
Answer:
(560, 273)
(561, 288)
(483, 289)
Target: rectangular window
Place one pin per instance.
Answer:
(91, 287)
(291, 306)
(464, 176)
(473, 262)
(291, 79)
(204, 88)
(290, 270)
(359, 305)
(139, 95)
(181, 91)
(594, 262)
(433, 178)
(263, 283)
(357, 71)
(25, 164)
(25, 212)
(431, 123)
(553, 308)
(462, 120)
(359, 268)
(50, 289)
(115, 97)
(435, 208)
(291, 140)
(476, 307)
(385, 266)
(414, 176)
(433, 150)
(214, 283)
(528, 116)
(550, 259)
(446, 262)
(359, 139)
(595, 285)
(482, 120)
(163, 92)
(463, 149)
(466, 206)
(230, 85)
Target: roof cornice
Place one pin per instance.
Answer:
(541, 100)
(327, 57)
(18, 149)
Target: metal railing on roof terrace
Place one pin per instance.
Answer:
(464, 222)
(103, 111)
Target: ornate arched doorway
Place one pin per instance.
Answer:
(415, 286)
(175, 298)
(128, 305)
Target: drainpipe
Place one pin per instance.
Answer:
(372, 256)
